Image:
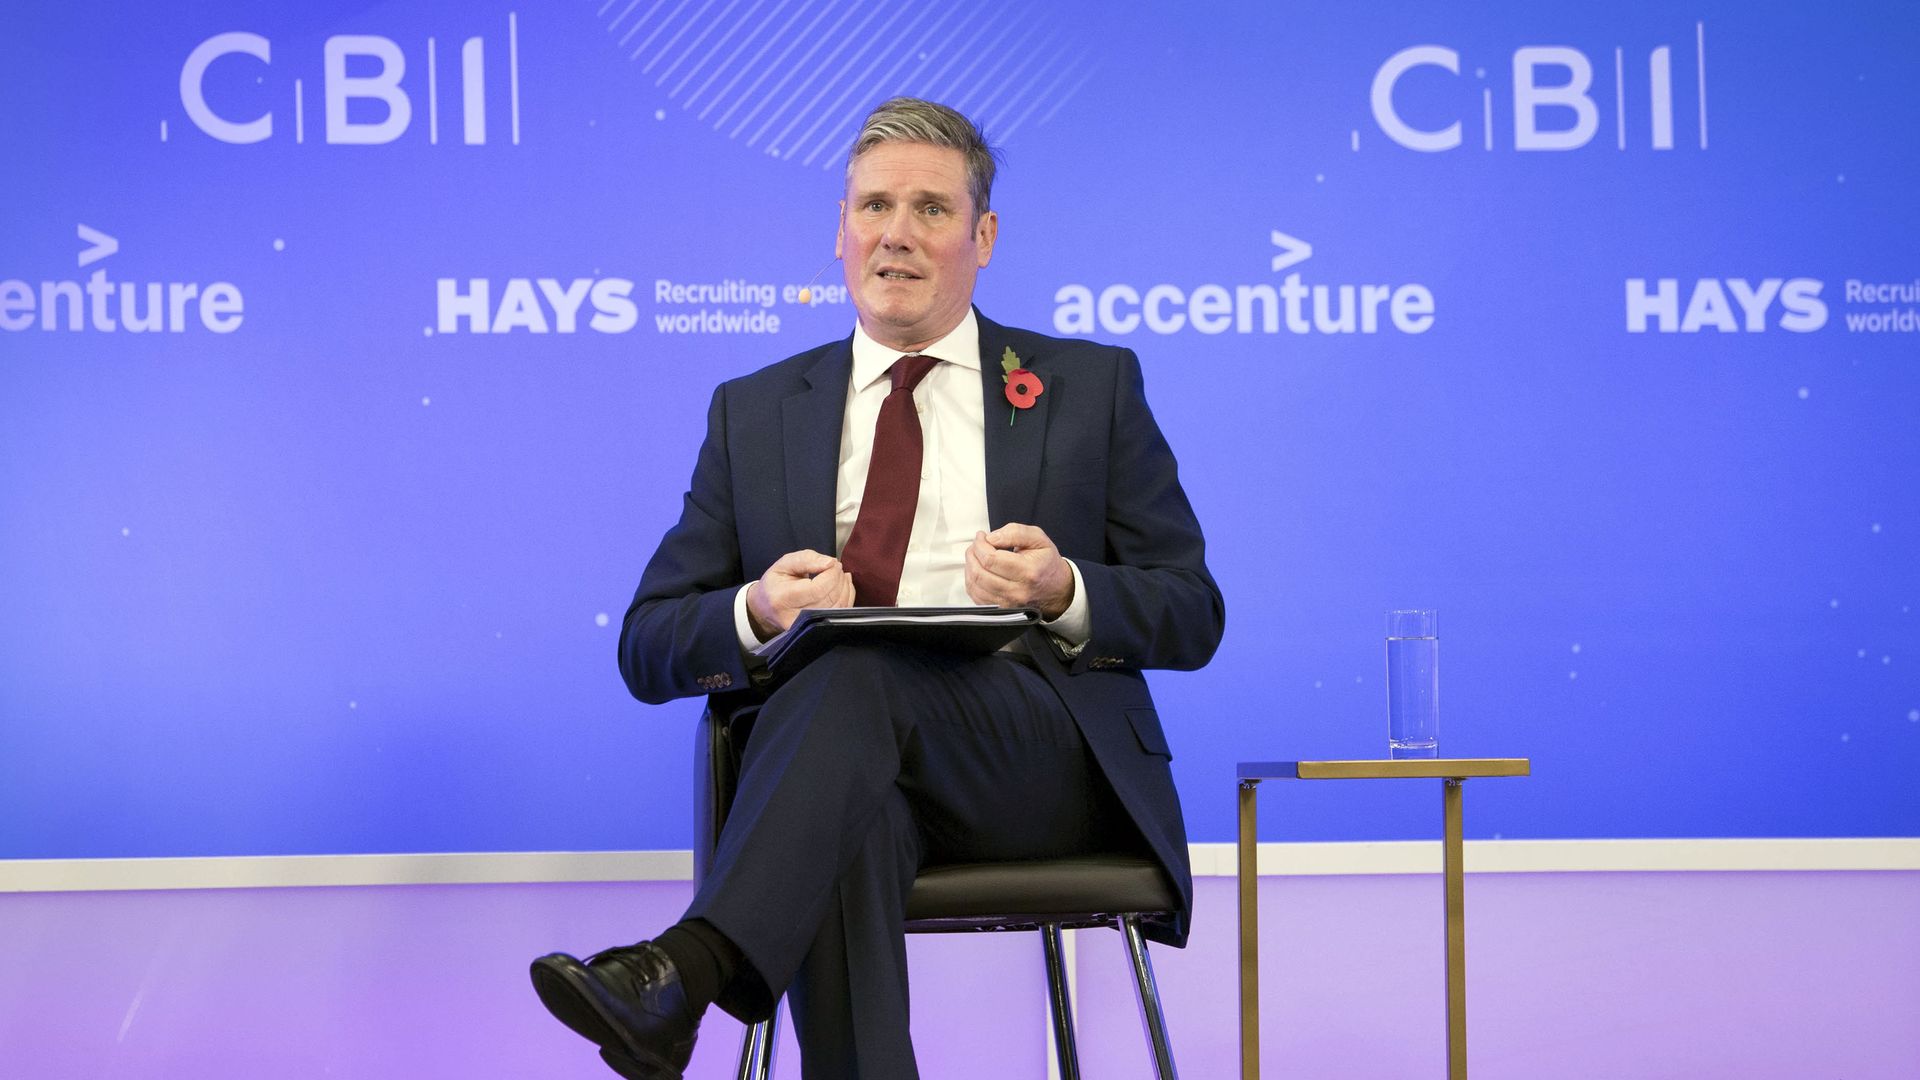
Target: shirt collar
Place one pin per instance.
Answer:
(871, 359)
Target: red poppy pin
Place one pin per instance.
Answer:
(1023, 386)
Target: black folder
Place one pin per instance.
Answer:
(977, 630)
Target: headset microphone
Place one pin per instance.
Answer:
(806, 291)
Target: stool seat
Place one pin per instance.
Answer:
(1074, 891)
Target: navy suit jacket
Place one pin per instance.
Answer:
(1086, 463)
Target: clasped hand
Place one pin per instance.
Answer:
(1012, 566)
(1018, 566)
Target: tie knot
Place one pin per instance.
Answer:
(910, 369)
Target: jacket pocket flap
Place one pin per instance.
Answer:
(1146, 728)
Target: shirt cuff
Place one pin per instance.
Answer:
(743, 624)
(1074, 627)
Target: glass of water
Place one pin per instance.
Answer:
(1413, 683)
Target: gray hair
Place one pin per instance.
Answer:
(912, 120)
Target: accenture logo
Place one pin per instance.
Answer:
(104, 305)
(1294, 306)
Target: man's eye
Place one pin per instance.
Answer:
(876, 206)
(935, 210)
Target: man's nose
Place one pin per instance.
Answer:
(899, 232)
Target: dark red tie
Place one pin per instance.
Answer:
(877, 547)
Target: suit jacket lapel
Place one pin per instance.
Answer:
(1013, 450)
(811, 422)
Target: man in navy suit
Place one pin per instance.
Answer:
(871, 762)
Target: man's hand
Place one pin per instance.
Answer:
(798, 580)
(1017, 566)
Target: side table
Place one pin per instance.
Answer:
(1452, 772)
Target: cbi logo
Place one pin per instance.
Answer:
(1420, 100)
(230, 82)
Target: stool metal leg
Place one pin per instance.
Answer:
(1059, 1005)
(1144, 988)
(756, 1048)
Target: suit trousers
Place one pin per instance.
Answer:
(868, 764)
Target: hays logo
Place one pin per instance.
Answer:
(1729, 305)
(104, 305)
(535, 305)
(1419, 100)
(225, 87)
(1302, 307)
(552, 306)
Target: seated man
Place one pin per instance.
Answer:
(894, 448)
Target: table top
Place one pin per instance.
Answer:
(1386, 768)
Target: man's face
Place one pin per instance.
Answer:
(910, 244)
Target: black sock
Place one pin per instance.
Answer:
(706, 959)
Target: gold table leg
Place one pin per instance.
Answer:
(1451, 857)
(1249, 874)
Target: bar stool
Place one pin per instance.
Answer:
(1048, 895)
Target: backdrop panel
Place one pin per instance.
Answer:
(353, 357)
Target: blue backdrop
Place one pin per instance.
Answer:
(353, 358)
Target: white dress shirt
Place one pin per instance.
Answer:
(953, 476)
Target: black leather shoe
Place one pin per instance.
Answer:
(628, 1000)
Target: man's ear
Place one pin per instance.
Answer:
(840, 233)
(984, 235)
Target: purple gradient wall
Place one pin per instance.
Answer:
(1603, 975)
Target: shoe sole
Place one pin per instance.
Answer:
(571, 1003)
(634, 1070)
